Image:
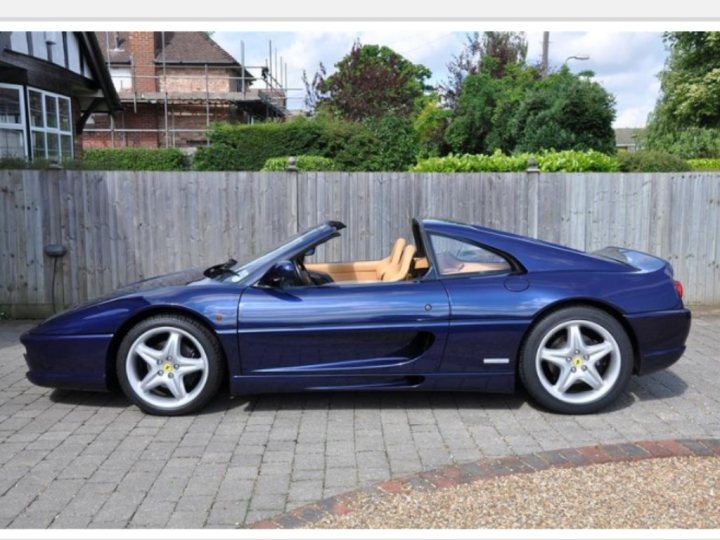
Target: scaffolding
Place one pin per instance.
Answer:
(266, 96)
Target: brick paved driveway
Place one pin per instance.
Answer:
(71, 459)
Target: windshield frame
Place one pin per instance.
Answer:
(253, 270)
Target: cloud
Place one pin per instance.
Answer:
(626, 63)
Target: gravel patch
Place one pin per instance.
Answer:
(678, 492)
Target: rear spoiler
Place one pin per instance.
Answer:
(635, 259)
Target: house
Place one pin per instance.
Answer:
(628, 138)
(50, 84)
(172, 86)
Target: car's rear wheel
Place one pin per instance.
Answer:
(577, 360)
(169, 365)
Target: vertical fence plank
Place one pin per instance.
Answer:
(120, 227)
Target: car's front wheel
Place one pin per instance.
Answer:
(576, 360)
(169, 365)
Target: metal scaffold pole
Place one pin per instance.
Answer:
(167, 141)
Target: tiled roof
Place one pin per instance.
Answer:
(180, 48)
(193, 48)
(113, 46)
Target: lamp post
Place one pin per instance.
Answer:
(581, 57)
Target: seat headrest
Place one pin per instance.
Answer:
(400, 271)
(397, 250)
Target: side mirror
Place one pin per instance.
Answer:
(281, 274)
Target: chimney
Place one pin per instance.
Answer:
(141, 45)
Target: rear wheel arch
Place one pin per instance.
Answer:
(583, 302)
(153, 311)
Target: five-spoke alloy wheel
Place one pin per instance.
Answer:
(576, 360)
(169, 365)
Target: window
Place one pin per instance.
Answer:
(50, 125)
(455, 256)
(122, 79)
(12, 122)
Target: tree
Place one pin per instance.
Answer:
(314, 94)
(491, 52)
(472, 119)
(686, 119)
(484, 117)
(690, 82)
(369, 82)
(565, 112)
(431, 125)
(521, 112)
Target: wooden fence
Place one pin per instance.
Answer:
(121, 227)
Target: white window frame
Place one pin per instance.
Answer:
(45, 130)
(22, 126)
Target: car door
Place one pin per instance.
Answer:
(489, 304)
(343, 328)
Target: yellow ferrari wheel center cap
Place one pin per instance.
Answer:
(167, 367)
(577, 361)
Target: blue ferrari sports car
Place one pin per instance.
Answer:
(457, 308)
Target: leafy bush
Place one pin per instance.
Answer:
(396, 144)
(577, 161)
(389, 143)
(688, 143)
(13, 163)
(39, 163)
(704, 164)
(430, 126)
(567, 160)
(134, 159)
(567, 112)
(651, 161)
(496, 162)
(522, 112)
(248, 147)
(304, 163)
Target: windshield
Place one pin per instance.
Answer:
(242, 270)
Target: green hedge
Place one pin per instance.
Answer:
(565, 161)
(133, 159)
(248, 147)
(710, 164)
(387, 144)
(651, 161)
(38, 164)
(303, 163)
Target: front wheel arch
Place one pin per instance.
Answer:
(153, 311)
(581, 302)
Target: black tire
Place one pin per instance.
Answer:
(528, 370)
(206, 339)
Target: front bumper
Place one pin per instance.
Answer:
(72, 362)
(660, 338)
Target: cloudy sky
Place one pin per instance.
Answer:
(626, 63)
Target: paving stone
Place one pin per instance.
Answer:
(72, 459)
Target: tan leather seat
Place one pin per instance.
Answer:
(400, 271)
(362, 270)
(393, 259)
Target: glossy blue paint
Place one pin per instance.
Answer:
(433, 333)
(357, 328)
(72, 361)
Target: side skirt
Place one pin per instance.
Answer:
(454, 382)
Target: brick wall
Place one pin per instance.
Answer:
(142, 48)
(186, 116)
(147, 117)
(193, 80)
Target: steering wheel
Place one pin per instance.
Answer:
(302, 275)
